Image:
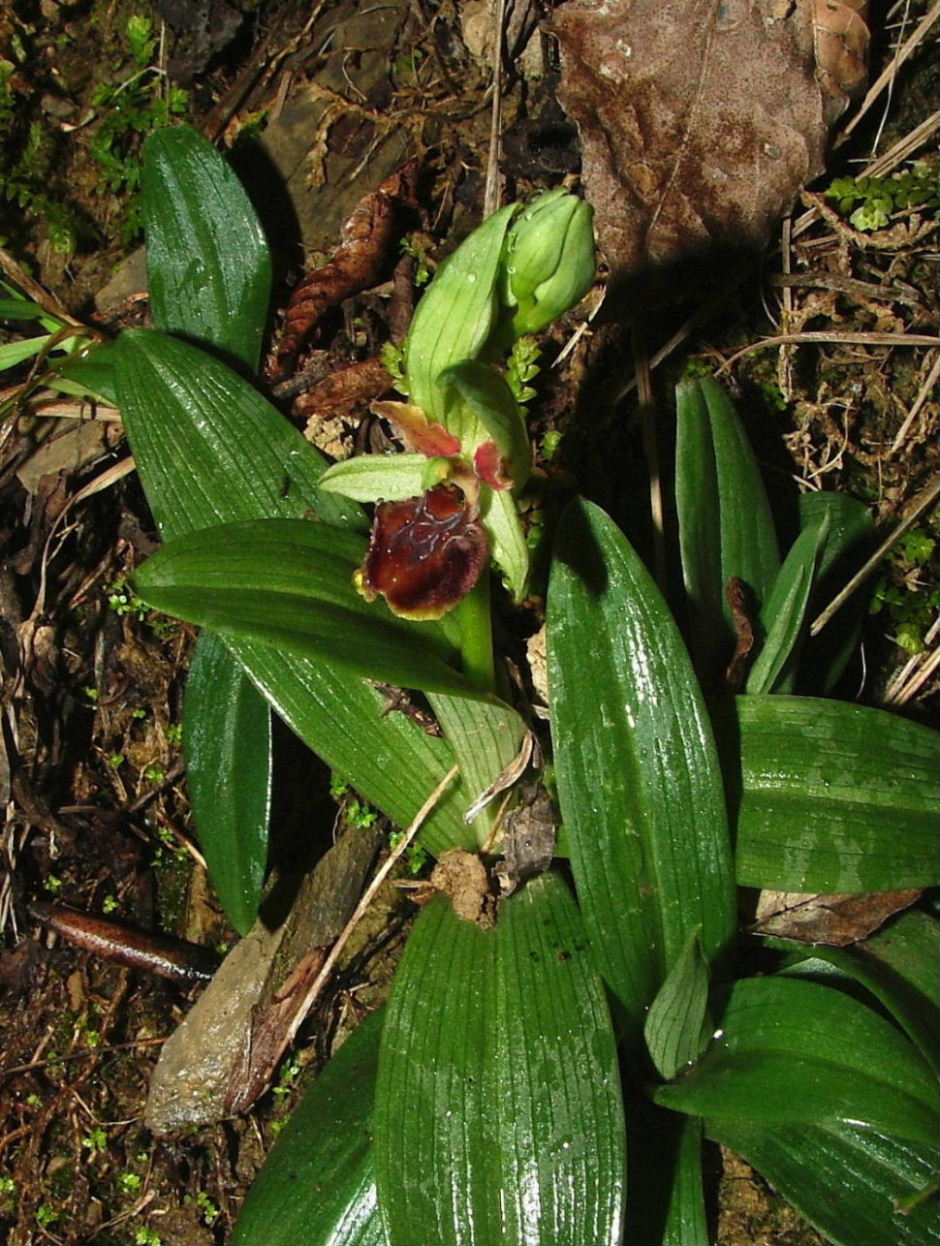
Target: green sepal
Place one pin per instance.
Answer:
(377, 477)
(455, 318)
(493, 407)
(550, 261)
(500, 517)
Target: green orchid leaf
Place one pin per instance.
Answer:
(897, 965)
(498, 1116)
(19, 309)
(227, 745)
(686, 1217)
(854, 1185)
(208, 447)
(91, 372)
(317, 1186)
(210, 450)
(725, 525)
(665, 1195)
(675, 1026)
(207, 257)
(493, 408)
(500, 518)
(12, 353)
(849, 542)
(377, 477)
(288, 583)
(833, 797)
(485, 736)
(209, 276)
(637, 771)
(784, 615)
(456, 316)
(790, 1051)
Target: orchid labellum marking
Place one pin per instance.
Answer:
(425, 554)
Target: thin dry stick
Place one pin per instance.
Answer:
(491, 194)
(47, 301)
(909, 678)
(907, 691)
(924, 502)
(400, 848)
(836, 337)
(925, 391)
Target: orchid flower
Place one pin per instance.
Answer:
(446, 503)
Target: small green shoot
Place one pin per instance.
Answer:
(870, 202)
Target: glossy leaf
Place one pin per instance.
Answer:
(485, 736)
(686, 1217)
(847, 1182)
(288, 583)
(227, 744)
(498, 1112)
(317, 1186)
(725, 525)
(789, 1051)
(208, 447)
(210, 450)
(833, 797)
(675, 1023)
(202, 231)
(638, 778)
(785, 614)
(207, 257)
(849, 541)
(898, 966)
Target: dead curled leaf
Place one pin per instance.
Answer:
(836, 920)
(346, 389)
(699, 122)
(358, 263)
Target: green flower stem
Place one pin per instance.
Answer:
(476, 635)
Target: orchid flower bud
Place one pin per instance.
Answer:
(549, 263)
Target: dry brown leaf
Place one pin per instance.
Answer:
(699, 122)
(841, 38)
(837, 920)
(358, 263)
(345, 390)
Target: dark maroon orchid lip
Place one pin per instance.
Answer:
(425, 554)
